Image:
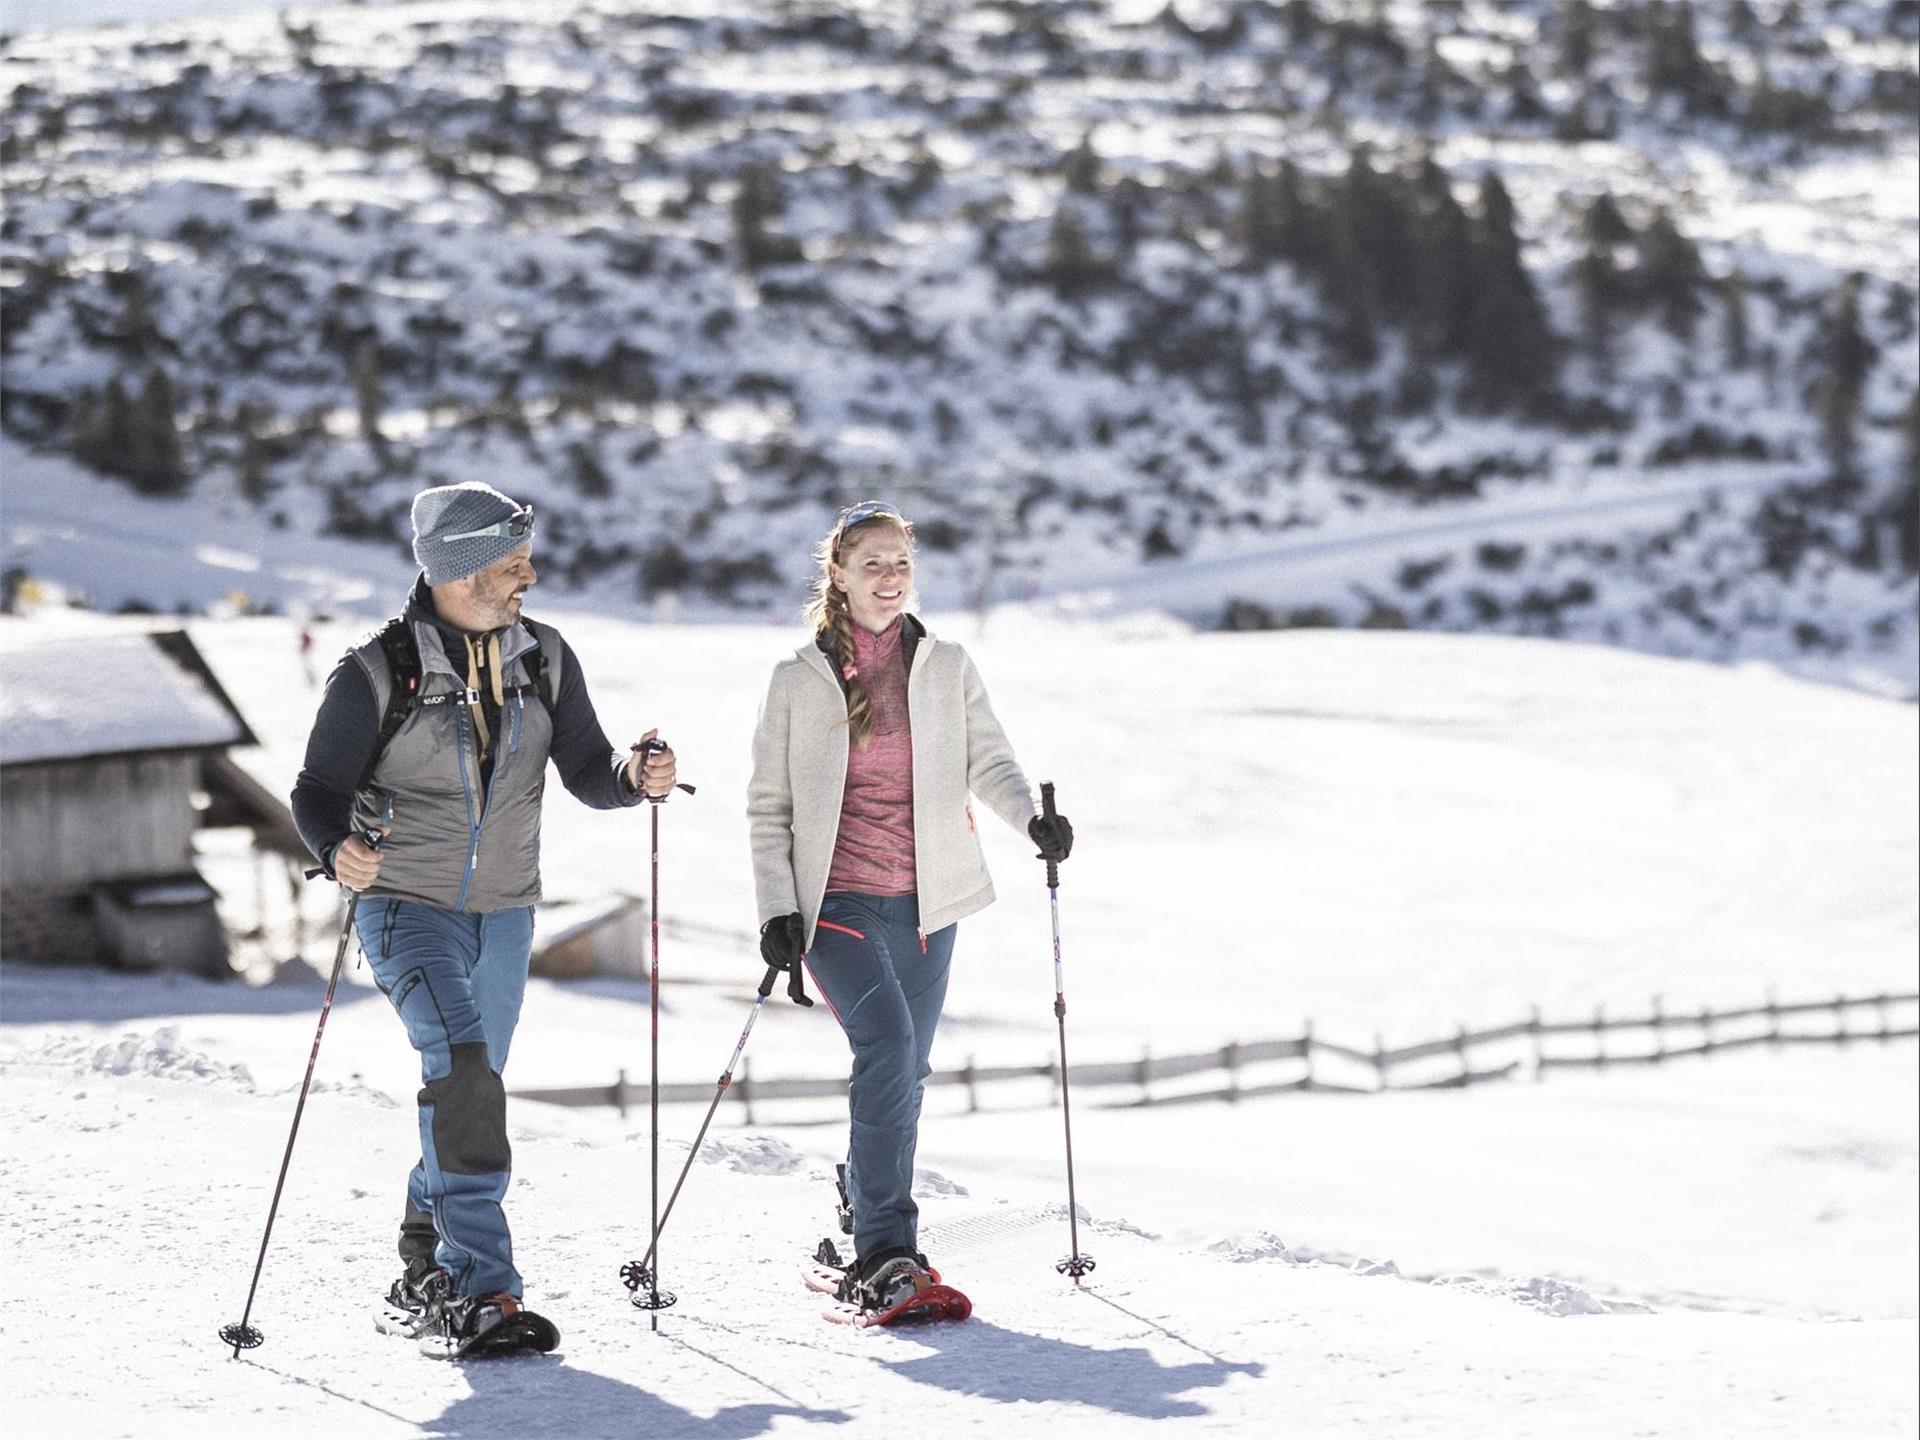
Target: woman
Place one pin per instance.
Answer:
(865, 858)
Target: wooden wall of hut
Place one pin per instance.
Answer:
(72, 823)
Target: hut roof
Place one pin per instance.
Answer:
(87, 695)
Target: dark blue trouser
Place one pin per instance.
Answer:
(886, 991)
(457, 981)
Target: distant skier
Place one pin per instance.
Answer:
(306, 655)
(870, 742)
(436, 731)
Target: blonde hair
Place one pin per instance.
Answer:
(829, 613)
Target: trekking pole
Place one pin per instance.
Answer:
(243, 1336)
(1076, 1264)
(657, 1299)
(636, 1274)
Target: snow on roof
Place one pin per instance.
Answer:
(107, 695)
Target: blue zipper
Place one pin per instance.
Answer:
(473, 826)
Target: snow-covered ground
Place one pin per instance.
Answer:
(1379, 832)
(154, 1184)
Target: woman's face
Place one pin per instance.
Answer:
(876, 570)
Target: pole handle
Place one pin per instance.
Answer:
(369, 838)
(1047, 810)
(766, 981)
(654, 747)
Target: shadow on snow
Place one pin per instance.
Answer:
(543, 1395)
(980, 1358)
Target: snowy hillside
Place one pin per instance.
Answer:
(1405, 470)
(1560, 320)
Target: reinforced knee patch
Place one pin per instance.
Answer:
(470, 1115)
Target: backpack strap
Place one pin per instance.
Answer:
(403, 667)
(543, 665)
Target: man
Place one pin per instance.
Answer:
(446, 911)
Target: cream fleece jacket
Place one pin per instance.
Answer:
(800, 775)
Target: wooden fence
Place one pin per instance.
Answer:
(1535, 1046)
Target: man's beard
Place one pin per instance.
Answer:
(497, 607)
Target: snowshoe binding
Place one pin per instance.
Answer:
(844, 1210)
(477, 1326)
(413, 1302)
(893, 1287)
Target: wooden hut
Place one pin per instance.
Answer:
(112, 753)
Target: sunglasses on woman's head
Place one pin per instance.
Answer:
(514, 527)
(867, 510)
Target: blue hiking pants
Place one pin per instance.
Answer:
(456, 981)
(885, 984)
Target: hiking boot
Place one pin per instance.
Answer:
(420, 1292)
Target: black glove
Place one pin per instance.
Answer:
(1053, 835)
(783, 942)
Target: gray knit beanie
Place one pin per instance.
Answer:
(457, 510)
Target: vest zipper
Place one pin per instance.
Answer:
(460, 722)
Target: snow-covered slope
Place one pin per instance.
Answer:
(688, 278)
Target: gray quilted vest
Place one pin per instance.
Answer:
(452, 842)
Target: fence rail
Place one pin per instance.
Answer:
(1377, 1064)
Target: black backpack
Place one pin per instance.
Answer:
(403, 697)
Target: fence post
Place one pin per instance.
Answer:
(1460, 1053)
(1773, 1019)
(1534, 1023)
(1599, 1036)
(1380, 1063)
(1707, 1041)
(1306, 1053)
(1880, 1009)
(1841, 1033)
(620, 1093)
(1659, 1032)
(1146, 1075)
(1230, 1062)
(967, 1079)
(745, 1087)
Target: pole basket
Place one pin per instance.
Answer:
(642, 1292)
(1075, 1265)
(240, 1337)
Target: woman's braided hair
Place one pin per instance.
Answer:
(829, 614)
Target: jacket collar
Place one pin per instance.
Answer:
(515, 639)
(912, 632)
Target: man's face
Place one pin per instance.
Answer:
(497, 589)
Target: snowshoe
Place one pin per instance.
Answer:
(479, 1326)
(893, 1288)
